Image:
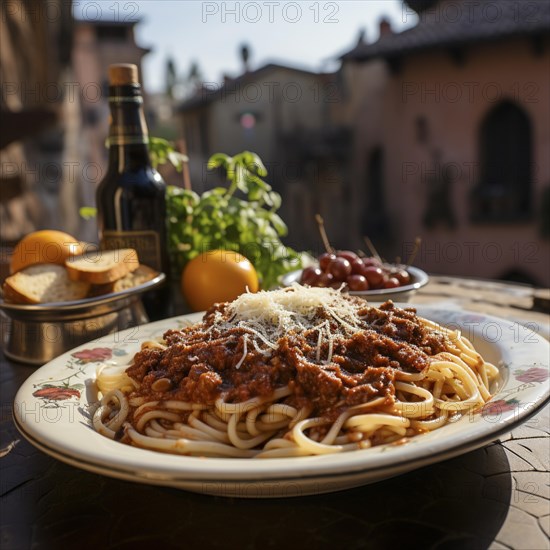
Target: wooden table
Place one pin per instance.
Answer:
(495, 497)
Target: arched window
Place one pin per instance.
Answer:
(504, 189)
(375, 183)
(374, 221)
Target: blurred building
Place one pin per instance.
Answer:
(34, 68)
(54, 113)
(281, 113)
(98, 44)
(452, 135)
(441, 131)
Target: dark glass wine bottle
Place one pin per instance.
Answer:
(131, 198)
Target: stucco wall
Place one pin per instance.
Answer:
(454, 99)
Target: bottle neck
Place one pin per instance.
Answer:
(128, 134)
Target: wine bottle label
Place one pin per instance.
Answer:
(128, 131)
(147, 244)
(125, 99)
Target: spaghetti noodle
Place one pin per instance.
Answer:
(292, 372)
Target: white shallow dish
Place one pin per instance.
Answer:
(51, 410)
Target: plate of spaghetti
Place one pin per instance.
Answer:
(285, 393)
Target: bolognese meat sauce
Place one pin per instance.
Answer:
(323, 368)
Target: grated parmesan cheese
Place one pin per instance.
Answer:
(269, 315)
(245, 352)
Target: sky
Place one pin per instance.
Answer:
(306, 34)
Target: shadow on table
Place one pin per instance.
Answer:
(460, 503)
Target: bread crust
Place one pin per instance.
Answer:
(12, 295)
(141, 275)
(84, 268)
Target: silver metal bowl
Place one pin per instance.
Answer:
(403, 293)
(35, 334)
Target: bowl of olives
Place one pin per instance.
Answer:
(367, 277)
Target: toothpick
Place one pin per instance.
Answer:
(370, 246)
(321, 225)
(417, 243)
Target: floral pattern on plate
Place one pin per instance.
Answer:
(70, 386)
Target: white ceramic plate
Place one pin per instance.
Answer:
(51, 410)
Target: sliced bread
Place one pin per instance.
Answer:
(103, 266)
(141, 275)
(41, 284)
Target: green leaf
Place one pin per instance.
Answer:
(88, 212)
(276, 200)
(255, 194)
(218, 191)
(162, 151)
(217, 160)
(254, 163)
(177, 159)
(278, 224)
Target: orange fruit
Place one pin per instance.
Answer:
(44, 247)
(217, 276)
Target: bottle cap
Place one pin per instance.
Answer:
(121, 74)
